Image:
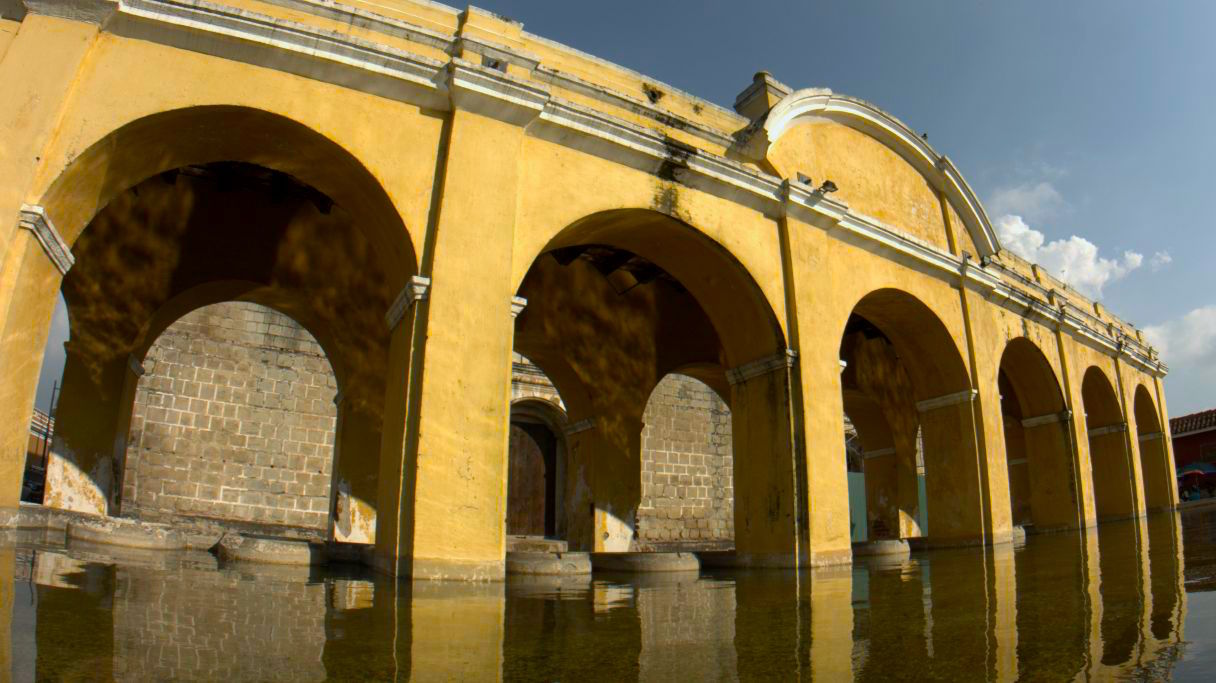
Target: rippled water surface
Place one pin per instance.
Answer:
(1135, 603)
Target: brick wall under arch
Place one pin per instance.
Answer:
(233, 419)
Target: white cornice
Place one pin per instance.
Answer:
(1051, 418)
(34, 219)
(762, 366)
(931, 404)
(414, 291)
(1116, 428)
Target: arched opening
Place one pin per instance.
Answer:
(536, 456)
(687, 473)
(909, 395)
(615, 303)
(1108, 456)
(1159, 481)
(248, 207)
(234, 419)
(1042, 473)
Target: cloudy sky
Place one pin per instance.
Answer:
(1084, 125)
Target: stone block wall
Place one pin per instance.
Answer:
(687, 465)
(234, 419)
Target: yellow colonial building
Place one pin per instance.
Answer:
(432, 193)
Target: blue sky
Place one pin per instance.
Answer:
(1084, 125)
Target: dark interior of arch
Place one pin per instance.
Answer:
(921, 341)
(185, 230)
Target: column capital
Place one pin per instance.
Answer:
(931, 404)
(518, 303)
(763, 366)
(417, 289)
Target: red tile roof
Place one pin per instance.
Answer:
(1193, 422)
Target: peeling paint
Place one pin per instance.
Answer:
(70, 488)
(354, 518)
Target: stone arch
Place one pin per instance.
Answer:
(537, 447)
(234, 419)
(1159, 481)
(617, 300)
(1114, 495)
(898, 350)
(330, 183)
(1043, 477)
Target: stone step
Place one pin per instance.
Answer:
(548, 564)
(535, 544)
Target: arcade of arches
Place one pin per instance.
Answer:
(491, 286)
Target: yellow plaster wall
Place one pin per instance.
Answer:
(872, 178)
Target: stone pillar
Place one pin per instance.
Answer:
(1130, 440)
(770, 493)
(83, 467)
(453, 493)
(1050, 462)
(953, 486)
(1078, 440)
(1167, 443)
(827, 503)
(37, 71)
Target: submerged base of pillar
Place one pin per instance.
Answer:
(894, 546)
(128, 533)
(427, 569)
(745, 560)
(645, 562)
(238, 548)
(548, 564)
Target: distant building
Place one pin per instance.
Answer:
(1194, 437)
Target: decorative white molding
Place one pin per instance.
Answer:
(135, 366)
(844, 364)
(1150, 436)
(1018, 461)
(763, 366)
(414, 291)
(518, 304)
(1052, 418)
(931, 404)
(813, 103)
(878, 453)
(34, 219)
(580, 426)
(492, 93)
(1109, 429)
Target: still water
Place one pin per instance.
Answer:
(1131, 604)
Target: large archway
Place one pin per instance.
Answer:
(1114, 496)
(248, 206)
(1042, 471)
(901, 357)
(1160, 486)
(617, 301)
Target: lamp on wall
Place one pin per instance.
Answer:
(827, 187)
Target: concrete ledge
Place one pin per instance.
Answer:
(645, 562)
(128, 533)
(535, 544)
(882, 547)
(548, 564)
(238, 548)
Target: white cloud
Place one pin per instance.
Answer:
(1160, 260)
(1188, 345)
(1190, 339)
(1034, 201)
(1074, 260)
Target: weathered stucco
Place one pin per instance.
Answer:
(650, 231)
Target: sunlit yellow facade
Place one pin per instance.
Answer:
(460, 153)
